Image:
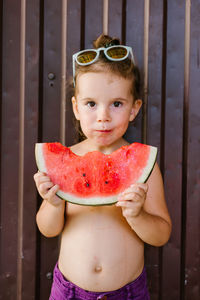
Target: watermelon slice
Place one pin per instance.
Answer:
(95, 178)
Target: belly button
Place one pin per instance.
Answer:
(98, 269)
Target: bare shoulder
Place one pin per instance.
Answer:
(155, 177)
(155, 201)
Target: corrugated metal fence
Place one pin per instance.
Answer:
(38, 39)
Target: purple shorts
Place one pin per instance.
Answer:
(62, 289)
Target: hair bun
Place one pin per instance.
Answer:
(105, 41)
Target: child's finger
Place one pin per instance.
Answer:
(51, 193)
(43, 179)
(44, 187)
(122, 203)
(35, 176)
(39, 174)
(40, 178)
(143, 186)
(128, 204)
(138, 188)
(131, 196)
(133, 193)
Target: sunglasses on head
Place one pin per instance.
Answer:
(112, 53)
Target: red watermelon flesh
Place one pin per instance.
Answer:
(95, 178)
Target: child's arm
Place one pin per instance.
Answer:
(50, 217)
(144, 207)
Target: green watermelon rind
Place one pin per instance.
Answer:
(95, 201)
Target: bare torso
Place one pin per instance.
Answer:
(99, 250)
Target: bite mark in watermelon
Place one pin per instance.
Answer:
(95, 178)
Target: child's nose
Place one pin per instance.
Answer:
(103, 115)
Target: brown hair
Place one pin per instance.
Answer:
(124, 68)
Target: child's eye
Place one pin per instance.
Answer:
(117, 104)
(91, 103)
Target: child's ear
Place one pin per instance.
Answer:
(75, 108)
(135, 109)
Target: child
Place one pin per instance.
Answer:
(102, 248)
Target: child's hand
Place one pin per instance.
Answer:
(46, 188)
(132, 200)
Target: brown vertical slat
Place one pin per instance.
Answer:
(10, 148)
(115, 18)
(192, 225)
(21, 148)
(105, 16)
(185, 146)
(63, 70)
(146, 77)
(52, 64)
(173, 145)
(30, 131)
(1, 126)
(134, 37)
(1, 60)
(75, 17)
(93, 21)
(51, 105)
(135, 29)
(155, 75)
(153, 129)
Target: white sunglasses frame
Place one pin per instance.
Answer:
(74, 56)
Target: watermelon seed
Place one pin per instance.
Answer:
(87, 184)
(106, 182)
(84, 174)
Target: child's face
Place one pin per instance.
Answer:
(104, 105)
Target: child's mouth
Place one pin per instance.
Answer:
(104, 130)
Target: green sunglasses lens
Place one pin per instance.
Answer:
(86, 57)
(117, 52)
